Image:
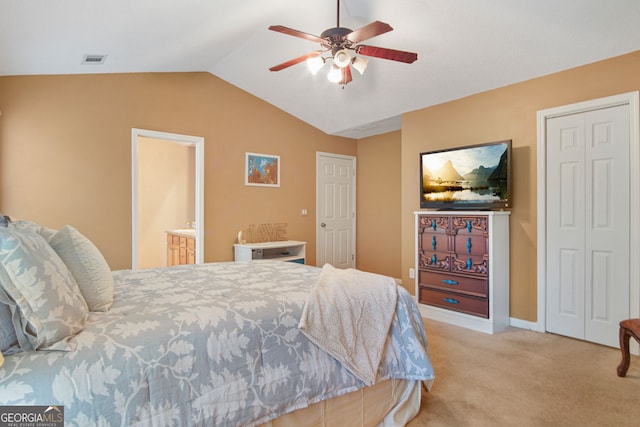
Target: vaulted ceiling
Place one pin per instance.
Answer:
(463, 46)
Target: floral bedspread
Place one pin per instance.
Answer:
(213, 344)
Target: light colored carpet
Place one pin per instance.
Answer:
(525, 378)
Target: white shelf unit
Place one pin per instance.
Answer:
(286, 250)
(498, 275)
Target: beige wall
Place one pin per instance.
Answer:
(378, 207)
(65, 157)
(65, 154)
(506, 113)
(166, 196)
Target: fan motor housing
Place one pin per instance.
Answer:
(336, 37)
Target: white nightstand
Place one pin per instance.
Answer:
(286, 250)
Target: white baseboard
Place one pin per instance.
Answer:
(634, 347)
(523, 324)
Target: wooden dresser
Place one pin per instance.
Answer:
(462, 268)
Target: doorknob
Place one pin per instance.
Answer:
(323, 225)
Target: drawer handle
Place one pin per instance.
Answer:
(433, 225)
(469, 225)
(433, 243)
(469, 264)
(468, 245)
(449, 282)
(451, 301)
(434, 259)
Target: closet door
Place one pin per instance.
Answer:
(588, 224)
(565, 225)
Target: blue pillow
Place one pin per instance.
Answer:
(8, 338)
(48, 306)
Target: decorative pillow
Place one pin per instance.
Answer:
(49, 306)
(22, 224)
(87, 265)
(47, 233)
(8, 336)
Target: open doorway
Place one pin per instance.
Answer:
(167, 193)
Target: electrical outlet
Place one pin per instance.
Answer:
(412, 273)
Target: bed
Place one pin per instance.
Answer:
(212, 344)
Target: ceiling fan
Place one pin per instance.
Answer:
(338, 42)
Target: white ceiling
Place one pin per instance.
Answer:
(463, 46)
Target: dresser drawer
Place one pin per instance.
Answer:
(434, 242)
(468, 225)
(466, 285)
(434, 224)
(434, 260)
(470, 264)
(456, 302)
(470, 244)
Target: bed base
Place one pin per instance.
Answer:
(388, 403)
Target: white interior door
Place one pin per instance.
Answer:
(336, 212)
(588, 224)
(565, 226)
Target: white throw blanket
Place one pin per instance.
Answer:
(348, 315)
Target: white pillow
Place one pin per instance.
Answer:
(88, 266)
(49, 306)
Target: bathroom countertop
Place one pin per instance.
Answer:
(185, 232)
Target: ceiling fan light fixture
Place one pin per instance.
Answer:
(335, 74)
(315, 63)
(336, 43)
(360, 64)
(342, 58)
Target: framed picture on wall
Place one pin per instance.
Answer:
(262, 170)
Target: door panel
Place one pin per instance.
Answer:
(565, 226)
(570, 295)
(601, 264)
(336, 211)
(607, 233)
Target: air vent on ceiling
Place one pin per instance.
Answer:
(94, 59)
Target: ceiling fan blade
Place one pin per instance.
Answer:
(392, 54)
(346, 76)
(295, 33)
(294, 61)
(369, 31)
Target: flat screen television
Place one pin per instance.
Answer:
(467, 178)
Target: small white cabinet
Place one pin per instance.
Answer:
(286, 250)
